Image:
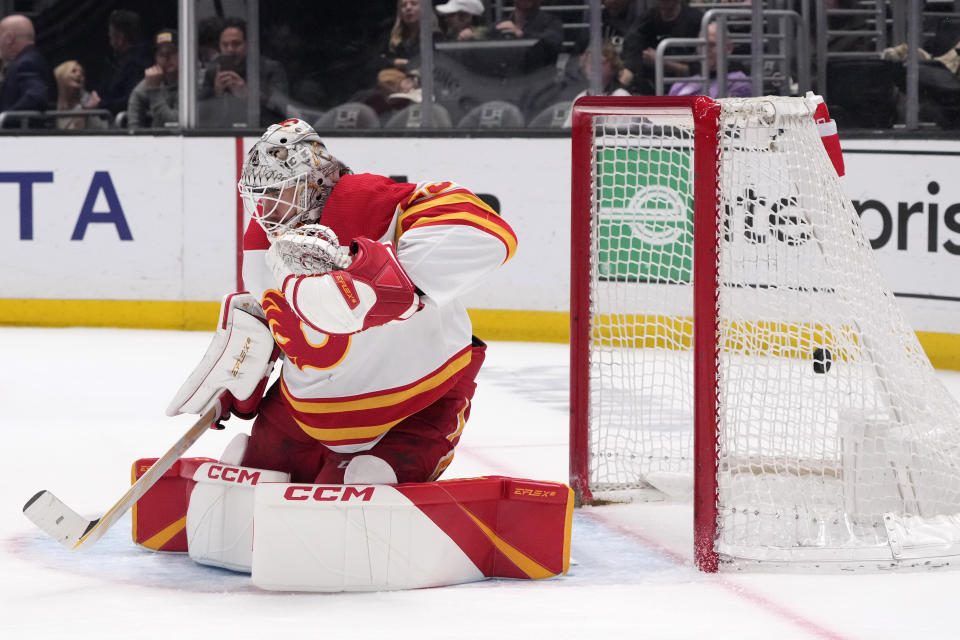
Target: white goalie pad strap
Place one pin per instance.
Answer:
(238, 358)
(220, 514)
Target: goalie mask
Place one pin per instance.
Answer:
(287, 177)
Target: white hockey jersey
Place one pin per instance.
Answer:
(347, 391)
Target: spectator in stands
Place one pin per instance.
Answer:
(154, 102)
(72, 95)
(395, 90)
(667, 19)
(738, 85)
(224, 93)
(938, 79)
(404, 41)
(529, 22)
(208, 44)
(130, 58)
(27, 80)
(462, 20)
(395, 76)
(610, 67)
(618, 19)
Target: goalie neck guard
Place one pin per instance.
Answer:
(287, 176)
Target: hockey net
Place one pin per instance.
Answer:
(722, 286)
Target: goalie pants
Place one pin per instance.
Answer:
(418, 448)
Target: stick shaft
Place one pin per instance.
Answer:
(61, 522)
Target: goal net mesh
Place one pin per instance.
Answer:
(836, 440)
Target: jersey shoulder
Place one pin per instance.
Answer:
(363, 205)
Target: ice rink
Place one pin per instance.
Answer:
(80, 405)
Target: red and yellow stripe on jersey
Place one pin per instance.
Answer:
(349, 421)
(447, 203)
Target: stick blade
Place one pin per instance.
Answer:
(59, 521)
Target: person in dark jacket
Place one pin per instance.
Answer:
(529, 22)
(223, 94)
(665, 19)
(131, 57)
(27, 80)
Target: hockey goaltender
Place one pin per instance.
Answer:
(353, 281)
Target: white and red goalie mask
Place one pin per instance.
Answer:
(287, 177)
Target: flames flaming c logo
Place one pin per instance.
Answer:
(288, 331)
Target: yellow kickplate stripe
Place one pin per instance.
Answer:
(523, 326)
(568, 530)
(526, 564)
(163, 536)
(128, 314)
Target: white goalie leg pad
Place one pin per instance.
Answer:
(238, 358)
(368, 469)
(350, 538)
(220, 514)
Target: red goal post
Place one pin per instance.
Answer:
(732, 340)
(706, 117)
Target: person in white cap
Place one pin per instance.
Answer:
(462, 20)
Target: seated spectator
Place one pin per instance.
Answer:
(208, 44)
(461, 20)
(738, 86)
(130, 57)
(667, 19)
(154, 102)
(617, 19)
(938, 77)
(27, 81)
(529, 22)
(223, 96)
(610, 67)
(404, 41)
(395, 76)
(73, 96)
(395, 90)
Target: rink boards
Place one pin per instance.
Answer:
(143, 231)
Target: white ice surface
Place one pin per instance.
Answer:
(80, 405)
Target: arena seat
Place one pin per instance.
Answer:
(307, 114)
(495, 114)
(411, 118)
(553, 117)
(349, 115)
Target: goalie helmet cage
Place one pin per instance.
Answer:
(731, 336)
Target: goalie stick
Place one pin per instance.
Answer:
(76, 532)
